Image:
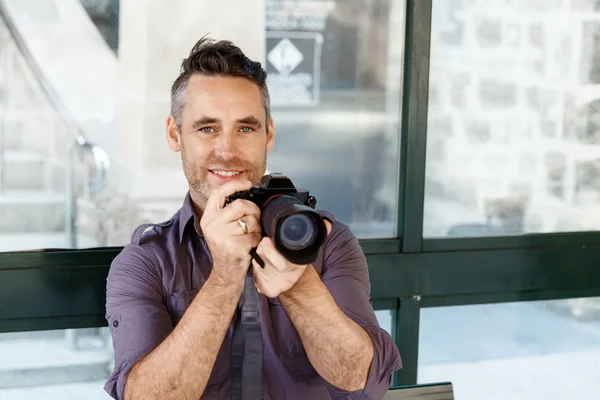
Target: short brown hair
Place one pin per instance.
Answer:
(214, 58)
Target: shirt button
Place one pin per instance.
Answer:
(115, 323)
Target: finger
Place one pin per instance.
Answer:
(242, 227)
(257, 259)
(260, 277)
(266, 249)
(262, 250)
(252, 223)
(254, 239)
(238, 209)
(257, 270)
(217, 197)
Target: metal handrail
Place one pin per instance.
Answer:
(101, 159)
(102, 164)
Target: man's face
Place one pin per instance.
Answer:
(224, 134)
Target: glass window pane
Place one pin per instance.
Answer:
(68, 364)
(341, 140)
(512, 143)
(52, 365)
(384, 317)
(530, 351)
(334, 73)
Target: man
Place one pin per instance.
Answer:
(172, 293)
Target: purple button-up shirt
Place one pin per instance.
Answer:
(155, 278)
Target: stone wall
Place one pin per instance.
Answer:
(514, 129)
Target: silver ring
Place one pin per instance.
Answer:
(243, 225)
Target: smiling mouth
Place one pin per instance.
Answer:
(225, 174)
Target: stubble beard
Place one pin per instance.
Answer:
(197, 177)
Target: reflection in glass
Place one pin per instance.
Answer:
(336, 103)
(335, 71)
(52, 365)
(513, 133)
(67, 364)
(531, 351)
(384, 317)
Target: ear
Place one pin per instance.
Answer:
(173, 134)
(270, 135)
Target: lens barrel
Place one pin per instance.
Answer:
(297, 230)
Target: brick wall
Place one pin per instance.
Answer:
(514, 128)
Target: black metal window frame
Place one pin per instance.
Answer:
(60, 289)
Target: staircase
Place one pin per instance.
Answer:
(33, 152)
(31, 359)
(33, 145)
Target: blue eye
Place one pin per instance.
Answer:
(247, 129)
(206, 129)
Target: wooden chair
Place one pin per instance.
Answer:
(433, 391)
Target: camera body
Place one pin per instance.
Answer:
(288, 217)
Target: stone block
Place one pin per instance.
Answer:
(583, 124)
(555, 165)
(587, 178)
(436, 150)
(548, 127)
(477, 131)
(559, 51)
(540, 5)
(497, 95)
(585, 5)
(440, 126)
(512, 34)
(488, 33)
(590, 53)
(496, 165)
(536, 36)
(463, 189)
(459, 85)
(448, 29)
(527, 163)
(464, 163)
(539, 99)
(501, 131)
(433, 99)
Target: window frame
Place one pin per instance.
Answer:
(61, 289)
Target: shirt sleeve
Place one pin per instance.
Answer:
(137, 316)
(345, 274)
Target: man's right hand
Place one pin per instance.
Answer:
(228, 244)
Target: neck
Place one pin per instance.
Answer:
(198, 204)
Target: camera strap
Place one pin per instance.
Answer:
(246, 347)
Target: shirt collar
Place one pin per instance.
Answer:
(187, 213)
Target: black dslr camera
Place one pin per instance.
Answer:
(287, 217)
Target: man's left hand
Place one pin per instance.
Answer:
(279, 275)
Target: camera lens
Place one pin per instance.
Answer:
(298, 231)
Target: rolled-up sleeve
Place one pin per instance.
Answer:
(137, 317)
(345, 274)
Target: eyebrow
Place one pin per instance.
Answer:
(199, 123)
(249, 120)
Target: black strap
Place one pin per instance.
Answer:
(246, 347)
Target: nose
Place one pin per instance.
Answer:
(225, 146)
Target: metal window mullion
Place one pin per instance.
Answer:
(414, 125)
